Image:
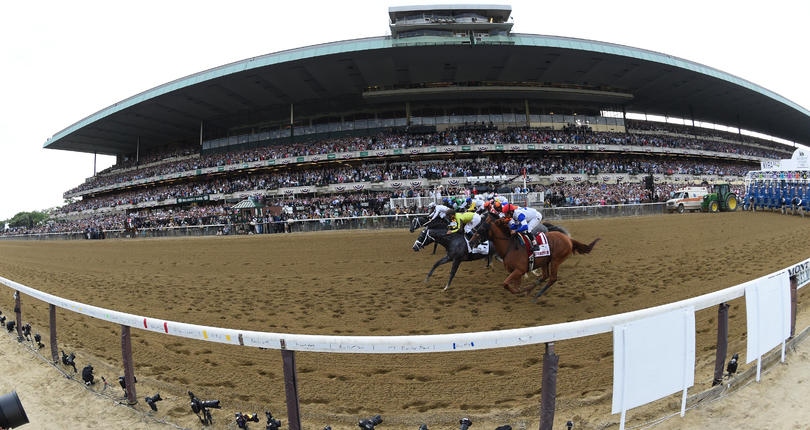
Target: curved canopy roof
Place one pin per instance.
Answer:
(332, 77)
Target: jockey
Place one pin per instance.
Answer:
(507, 210)
(496, 208)
(469, 220)
(470, 205)
(438, 211)
(528, 220)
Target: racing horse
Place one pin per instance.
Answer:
(516, 257)
(421, 221)
(454, 244)
(131, 227)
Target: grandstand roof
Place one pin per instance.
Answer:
(352, 74)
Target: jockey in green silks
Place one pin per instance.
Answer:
(468, 220)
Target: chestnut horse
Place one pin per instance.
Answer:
(516, 259)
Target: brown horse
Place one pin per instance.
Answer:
(516, 259)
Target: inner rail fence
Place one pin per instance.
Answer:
(289, 343)
(345, 223)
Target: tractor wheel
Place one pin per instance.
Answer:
(731, 203)
(714, 206)
(680, 208)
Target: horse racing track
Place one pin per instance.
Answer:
(371, 283)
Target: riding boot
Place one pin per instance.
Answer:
(467, 237)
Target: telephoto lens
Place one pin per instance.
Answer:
(12, 413)
(273, 423)
(87, 375)
(423, 427)
(370, 423)
(465, 423)
(151, 401)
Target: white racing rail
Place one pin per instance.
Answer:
(399, 344)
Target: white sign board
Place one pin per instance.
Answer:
(653, 358)
(767, 304)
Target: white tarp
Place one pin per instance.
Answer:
(653, 358)
(767, 304)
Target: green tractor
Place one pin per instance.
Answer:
(721, 198)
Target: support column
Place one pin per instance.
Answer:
(548, 391)
(138, 151)
(408, 113)
(54, 349)
(291, 389)
(722, 343)
(95, 157)
(18, 313)
(129, 371)
(201, 133)
(292, 122)
(528, 116)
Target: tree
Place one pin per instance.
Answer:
(27, 219)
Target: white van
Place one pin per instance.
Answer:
(686, 199)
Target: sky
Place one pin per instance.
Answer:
(63, 61)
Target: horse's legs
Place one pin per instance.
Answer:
(513, 277)
(551, 279)
(453, 269)
(441, 261)
(435, 244)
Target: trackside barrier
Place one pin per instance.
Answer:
(799, 275)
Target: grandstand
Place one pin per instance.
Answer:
(451, 99)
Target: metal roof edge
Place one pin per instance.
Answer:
(648, 55)
(381, 42)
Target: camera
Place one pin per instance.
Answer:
(38, 340)
(68, 360)
(152, 400)
(465, 423)
(272, 423)
(26, 331)
(10, 326)
(198, 406)
(87, 375)
(242, 420)
(12, 413)
(123, 382)
(369, 423)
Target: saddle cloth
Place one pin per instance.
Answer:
(543, 248)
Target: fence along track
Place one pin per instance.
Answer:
(392, 344)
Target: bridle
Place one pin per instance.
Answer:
(421, 244)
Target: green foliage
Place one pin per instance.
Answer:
(27, 219)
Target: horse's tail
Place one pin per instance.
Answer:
(581, 248)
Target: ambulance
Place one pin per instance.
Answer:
(686, 199)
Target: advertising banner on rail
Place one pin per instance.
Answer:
(640, 349)
(767, 305)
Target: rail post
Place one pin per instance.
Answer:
(548, 395)
(129, 371)
(52, 323)
(291, 387)
(722, 343)
(794, 286)
(18, 313)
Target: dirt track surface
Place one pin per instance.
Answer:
(371, 283)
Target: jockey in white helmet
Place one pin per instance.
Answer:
(438, 211)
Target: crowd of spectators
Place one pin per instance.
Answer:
(407, 140)
(704, 133)
(437, 169)
(343, 205)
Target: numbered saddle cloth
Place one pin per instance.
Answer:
(543, 249)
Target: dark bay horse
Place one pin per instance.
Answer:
(516, 258)
(454, 244)
(422, 221)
